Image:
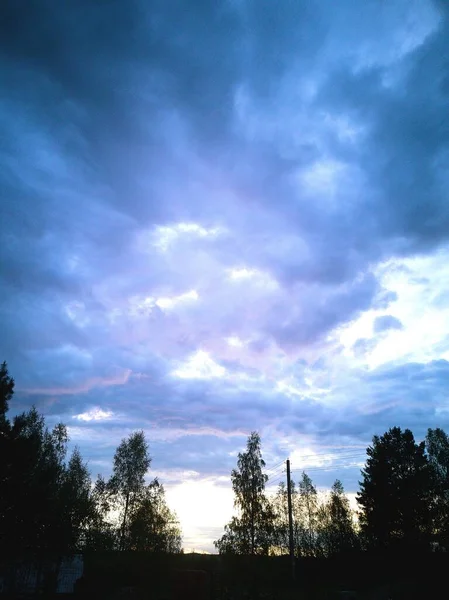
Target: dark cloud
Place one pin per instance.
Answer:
(363, 346)
(303, 322)
(407, 142)
(406, 395)
(386, 323)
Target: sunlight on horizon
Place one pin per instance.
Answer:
(202, 507)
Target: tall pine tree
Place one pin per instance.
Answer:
(437, 448)
(396, 492)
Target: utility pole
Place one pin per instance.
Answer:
(290, 520)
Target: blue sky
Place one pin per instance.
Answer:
(226, 216)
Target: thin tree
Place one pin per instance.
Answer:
(279, 506)
(78, 503)
(249, 532)
(131, 463)
(306, 517)
(336, 524)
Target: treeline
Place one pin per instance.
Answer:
(50, 505)
(403, 503)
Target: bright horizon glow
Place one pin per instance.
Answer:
(203, 508)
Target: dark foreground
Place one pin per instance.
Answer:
(207, 577)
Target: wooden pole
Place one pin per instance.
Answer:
(290, 520)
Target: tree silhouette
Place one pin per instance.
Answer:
(251, 531)
(437, 447)
(35, 470)
(6, 393)
(78, 503)
(336, 525)
(396, 491)
(153, 527)
(131, 463)
(306, 518)
(279, 507)
(48, 504)
(101, 533)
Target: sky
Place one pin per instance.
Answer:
(220, 216)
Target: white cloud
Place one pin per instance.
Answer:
(242, 273)
(305, 458)
(289, 387)
(169, 302)
(199, 366)
(255, 276)
(146, 305)
(165, 236)
(235, 342)
(94, 414)
(422, 306)
(323, 177)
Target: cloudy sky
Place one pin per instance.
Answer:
(220, 216)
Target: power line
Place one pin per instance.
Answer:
(275, 467)
(342, 458)
(274, 483)
(273, 488)
(334, 467)
(329, 447)
(334, 459)
(344, 454)
(348, 454)
(327, 468)
(352, 460)
(276, 474)
(275, 471)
